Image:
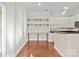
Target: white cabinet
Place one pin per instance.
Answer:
(67, 44)
(73, 45)
(60, 43)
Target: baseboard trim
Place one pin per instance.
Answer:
(59, 51)
(21, 48)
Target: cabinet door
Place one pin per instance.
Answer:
(60, 42)
(73, 45)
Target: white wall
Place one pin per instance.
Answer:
(75, 18)
(43, 29)
(61, 22)
(20, 27)
(0, 31)
(4, 31)
(10, 29)
(16, 28)
(37, 15)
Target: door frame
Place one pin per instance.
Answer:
(4, 32)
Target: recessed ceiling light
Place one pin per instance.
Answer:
(64, 12)
(39, 4)
(66, 8)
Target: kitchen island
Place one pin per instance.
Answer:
(66, 42)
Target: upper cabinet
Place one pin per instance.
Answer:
(57, 22)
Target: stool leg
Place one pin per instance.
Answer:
(38, 38)
(47, 40)
(28, 38)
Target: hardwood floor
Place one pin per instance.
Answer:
(38, 49)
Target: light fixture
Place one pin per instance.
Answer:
(64, 12)
(39, 4)
(66, 8)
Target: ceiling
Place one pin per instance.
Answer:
(56, 8)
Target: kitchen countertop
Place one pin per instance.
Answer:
(65, 32)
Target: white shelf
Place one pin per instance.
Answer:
(38, 25)
(37, 19)
(37, 22)
(41, 17)
(37, 32)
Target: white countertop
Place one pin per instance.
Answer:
(64, 29)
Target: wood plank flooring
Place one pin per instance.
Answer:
(38, 49)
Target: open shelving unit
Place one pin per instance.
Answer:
(38, 22)
(38, 26)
